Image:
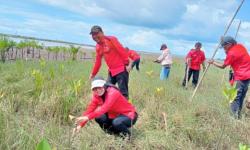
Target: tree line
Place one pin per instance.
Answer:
(32, 49)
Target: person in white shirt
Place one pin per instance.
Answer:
(166, 61)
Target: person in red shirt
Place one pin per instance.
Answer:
(115, 56)
(135, 57)
(238, 58)
(109, 108)
(194, 59)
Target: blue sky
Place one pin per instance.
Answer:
(141, 25)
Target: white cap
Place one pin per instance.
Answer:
(97, 83)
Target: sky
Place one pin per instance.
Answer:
(142, 25)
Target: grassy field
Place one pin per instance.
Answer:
(36, 98)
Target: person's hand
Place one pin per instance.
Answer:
(156, 61)
(210, 61)
(128, 68)
(81, 119)
(76, 129)
(91, 77)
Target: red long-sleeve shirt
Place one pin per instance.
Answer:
(115, 56)
(239, 59)
(115, 104)
(133, 55)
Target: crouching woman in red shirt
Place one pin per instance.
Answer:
(110, 109)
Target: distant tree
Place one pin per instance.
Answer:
(49, 49)
(74, 50)
(20, 46)
(5, 46)
(64, 50)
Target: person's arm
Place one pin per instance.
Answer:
(97, 65)
(188, 58)
(217, 64)
(82, 120)
(91, 106)
(164, 55)
(109, 101)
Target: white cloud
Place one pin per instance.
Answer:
(142, 25)
(85, 7)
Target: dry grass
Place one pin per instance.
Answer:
(167, 119)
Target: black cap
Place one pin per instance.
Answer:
(95, 29)
(163, 46)
(226, 40)
(198, 44)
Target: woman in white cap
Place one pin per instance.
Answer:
(109, 108)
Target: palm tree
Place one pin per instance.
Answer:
(74, 50)
(21, 45)
(13, 44)
(5, 46)
(56, 50)
(64, 50)
(39, 47)
(49, 49)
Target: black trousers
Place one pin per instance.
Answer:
(122, 80)
(191, 72)
(136, 63)
(116, 126)
(236, 105)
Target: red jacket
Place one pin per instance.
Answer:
(133, 55)
(197, 58)
(239, 59)
(115, 56)
(115, 104)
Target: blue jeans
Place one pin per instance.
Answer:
(236, 105)
(164, 72)
(116, 126)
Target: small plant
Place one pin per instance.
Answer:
(159, 91)
(76, 87)
(52, 73)
(243, 147)
(42, 63)
(230, 92)
(20, 66)
(61, 69)
(1, 94)
(43, 145)
(39, 80)
(150, 73)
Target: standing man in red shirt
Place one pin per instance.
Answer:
(135, 57)
(115, 56)
(194, 59)
(238, 58)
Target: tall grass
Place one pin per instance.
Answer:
(30, 112)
